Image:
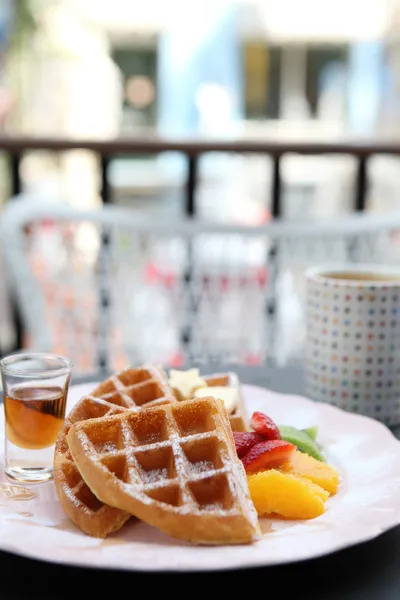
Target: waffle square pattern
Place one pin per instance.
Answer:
(132, 389)
(173, 466)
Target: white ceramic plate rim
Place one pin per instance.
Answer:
(367, 504)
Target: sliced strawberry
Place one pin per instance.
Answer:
(265, 426)
(244, 440)
(267, 455)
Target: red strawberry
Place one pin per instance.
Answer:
(267, 455)
(265, 426)
(244, 440)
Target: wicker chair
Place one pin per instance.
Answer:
(108, 288)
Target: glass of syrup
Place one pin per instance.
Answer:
(35, 388)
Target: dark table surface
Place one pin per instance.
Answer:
(363, 572)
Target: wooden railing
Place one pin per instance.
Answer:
(193, 150)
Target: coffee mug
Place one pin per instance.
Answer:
(353, 339)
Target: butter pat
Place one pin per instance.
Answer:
(228, 394)
(186, 383)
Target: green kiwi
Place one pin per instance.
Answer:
(302, 440)
(312, 432)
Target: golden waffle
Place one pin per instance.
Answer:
(131, 388)
(238, 417)
(173, 466)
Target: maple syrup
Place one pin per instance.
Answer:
(34, 416)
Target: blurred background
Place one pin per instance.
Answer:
(277, 69)
(258, 71)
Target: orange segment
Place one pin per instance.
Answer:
(317, 489)
(306, 466)
(286, 495)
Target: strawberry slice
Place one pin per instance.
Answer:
(244, 440)
(265, 426)
(269, 454)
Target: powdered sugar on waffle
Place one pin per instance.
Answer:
(130, 388)
(135, 388)
(189, 472)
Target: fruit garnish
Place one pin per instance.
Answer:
(302, 465)
(267, 455)
(286, 495)
(244, 440)
(312, 432)
(229, 395)
(264, 425)
(185, 383)
(301, 440)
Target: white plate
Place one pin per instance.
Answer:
(365, 452)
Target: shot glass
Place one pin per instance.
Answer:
(35, 388)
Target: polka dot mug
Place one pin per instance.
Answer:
(353, 339)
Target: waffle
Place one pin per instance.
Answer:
(174, 467)
(238, 417)
(129, 389)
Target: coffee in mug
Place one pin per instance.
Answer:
(354, 276)
(353, 339)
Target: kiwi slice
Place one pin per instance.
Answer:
(302, 440)
(312, 432)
